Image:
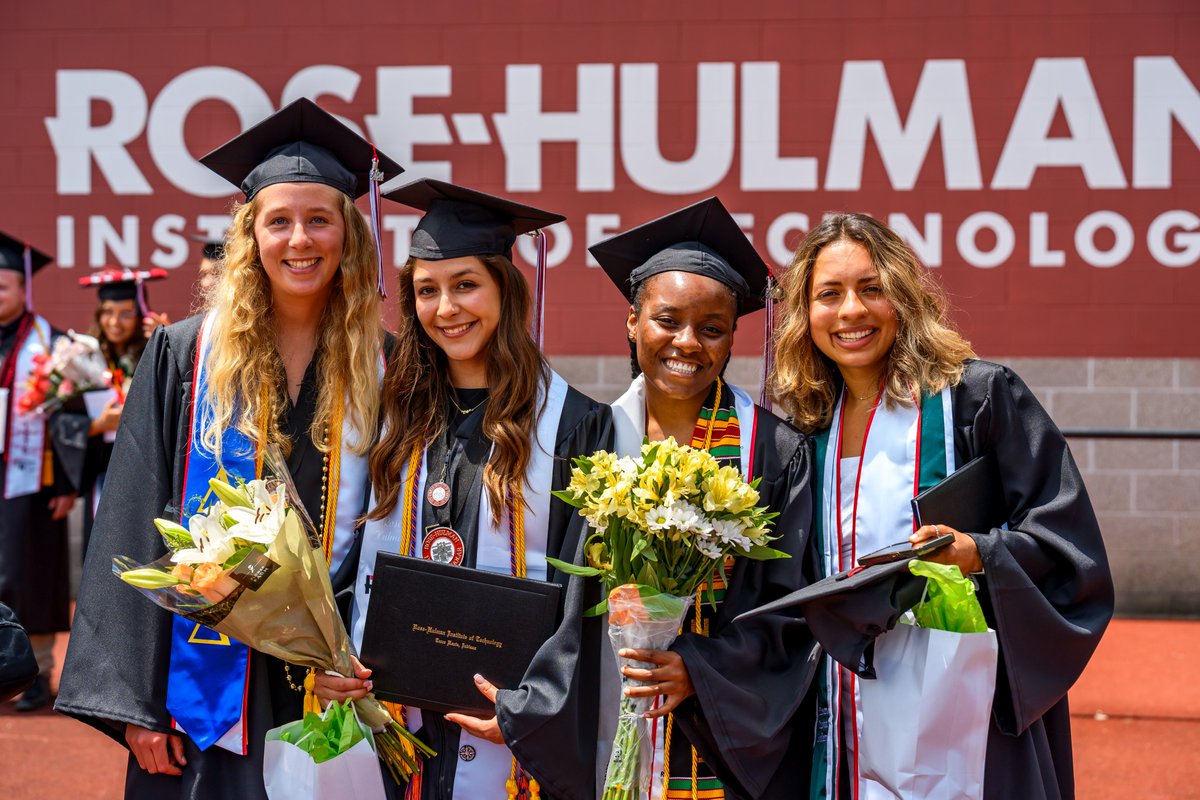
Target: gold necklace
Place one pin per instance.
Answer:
(287, 668)
(461, 410)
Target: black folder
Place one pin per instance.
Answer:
(432, 626)
(970, 499)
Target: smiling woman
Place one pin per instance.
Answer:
(287, 354)
(895, 399)
(727, 690)
(477, 431)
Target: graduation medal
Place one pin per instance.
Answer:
(443, 545)
(438, 494)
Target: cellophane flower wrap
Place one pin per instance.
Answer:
(73, 366)
(250, 565)
(662, 526)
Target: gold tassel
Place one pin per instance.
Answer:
(311, 703)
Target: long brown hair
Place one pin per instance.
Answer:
(416, 391)
(928, 353)
(133, 347)
(244, 364)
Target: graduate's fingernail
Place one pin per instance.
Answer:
(478, 678)
(370, 685)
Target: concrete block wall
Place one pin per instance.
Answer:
(1146, 492)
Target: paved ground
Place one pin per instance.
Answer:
(1136, 723)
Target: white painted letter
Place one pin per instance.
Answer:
(102, 237)
(927, 245)
(168, 233)
(1040, 254)
(76, 142)
(396, 128)
(523, 127)
(1162, 93)
(401, 227)
(865, 101)
(165, 133)
(559, 240)
(777, 236)
(1054, 82)
(1186, 241)
(65, 250)
(1085, 239)
(322, 79)
(599, 228)
(762, 167)
(971, 226)
(640, 151)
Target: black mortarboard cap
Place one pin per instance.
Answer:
(703, 239)
(847, 611)
(464, 222)
(300, 143)
(120, 283)
(213, 249)
(12, 255)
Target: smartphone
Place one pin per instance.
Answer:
(902, 551)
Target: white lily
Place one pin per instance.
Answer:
(259, 524)
(212, 541)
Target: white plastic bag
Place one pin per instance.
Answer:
(926, 716)
(291, 774)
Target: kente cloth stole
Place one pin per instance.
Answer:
(906, 450)
(718, 428)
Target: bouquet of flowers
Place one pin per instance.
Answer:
(73, 366)
(663, 525)
(250, 565)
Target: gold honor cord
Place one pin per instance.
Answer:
(699, 630)
(408, 524)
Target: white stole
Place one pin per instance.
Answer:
(484, 775)
(26, 431)
(883, 516)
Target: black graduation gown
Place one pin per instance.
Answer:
(34, 556)
(116, 667)
(1046, 588)
(549, 721)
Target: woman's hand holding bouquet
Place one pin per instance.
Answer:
(663, 525)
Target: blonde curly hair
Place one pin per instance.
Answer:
(244, 367)
(928, 353)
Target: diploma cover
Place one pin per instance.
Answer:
(970, 499)
(432, 627)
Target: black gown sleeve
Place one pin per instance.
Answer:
(751, 676)
(1046, 588)
(116, 666)
(550, 720)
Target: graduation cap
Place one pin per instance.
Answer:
(123, 283)
(19, 256)
(213, 249)
(300, 143)
(464, 222)
(847, 611)
(703, 239)
(303, 143)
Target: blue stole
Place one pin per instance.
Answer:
(209, 673)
